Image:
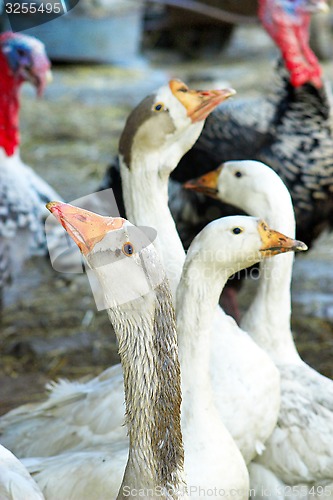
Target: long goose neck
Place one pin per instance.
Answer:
(145, 192)
(269, 315)
(9, 109)
(149, 356)
(197, 298)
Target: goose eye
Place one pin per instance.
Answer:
(159, 107)
(128, 249)
(238, 174)
(237, 230)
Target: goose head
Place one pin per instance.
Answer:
(166, 124)
(120, 254)
(233, 243)
(248, 184)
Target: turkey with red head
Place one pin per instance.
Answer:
(23, 193)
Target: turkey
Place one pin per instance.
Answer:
(23, 193)
(290, 130)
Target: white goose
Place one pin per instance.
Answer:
(76, 412)
(139, 305)
(221, 249)
(15, 481)
(299, 454)
(212, 460)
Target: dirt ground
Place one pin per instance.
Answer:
(50, 327)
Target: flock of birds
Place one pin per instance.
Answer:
(213, 408)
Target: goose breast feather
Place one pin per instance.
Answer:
(305, 427)
(74, 416)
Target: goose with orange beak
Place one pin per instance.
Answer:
(158, 132)
(306, 414)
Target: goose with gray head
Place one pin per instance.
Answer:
(139, 305)
(157, 134)
(306, 413)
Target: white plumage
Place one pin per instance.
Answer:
(299, 451)
(15, 481)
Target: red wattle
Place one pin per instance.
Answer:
(9, 108)
(291, 35)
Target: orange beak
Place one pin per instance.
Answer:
(84, 227)
(198, 103)
(274, 242)
(206, 184)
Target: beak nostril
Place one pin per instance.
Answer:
(82, 218)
